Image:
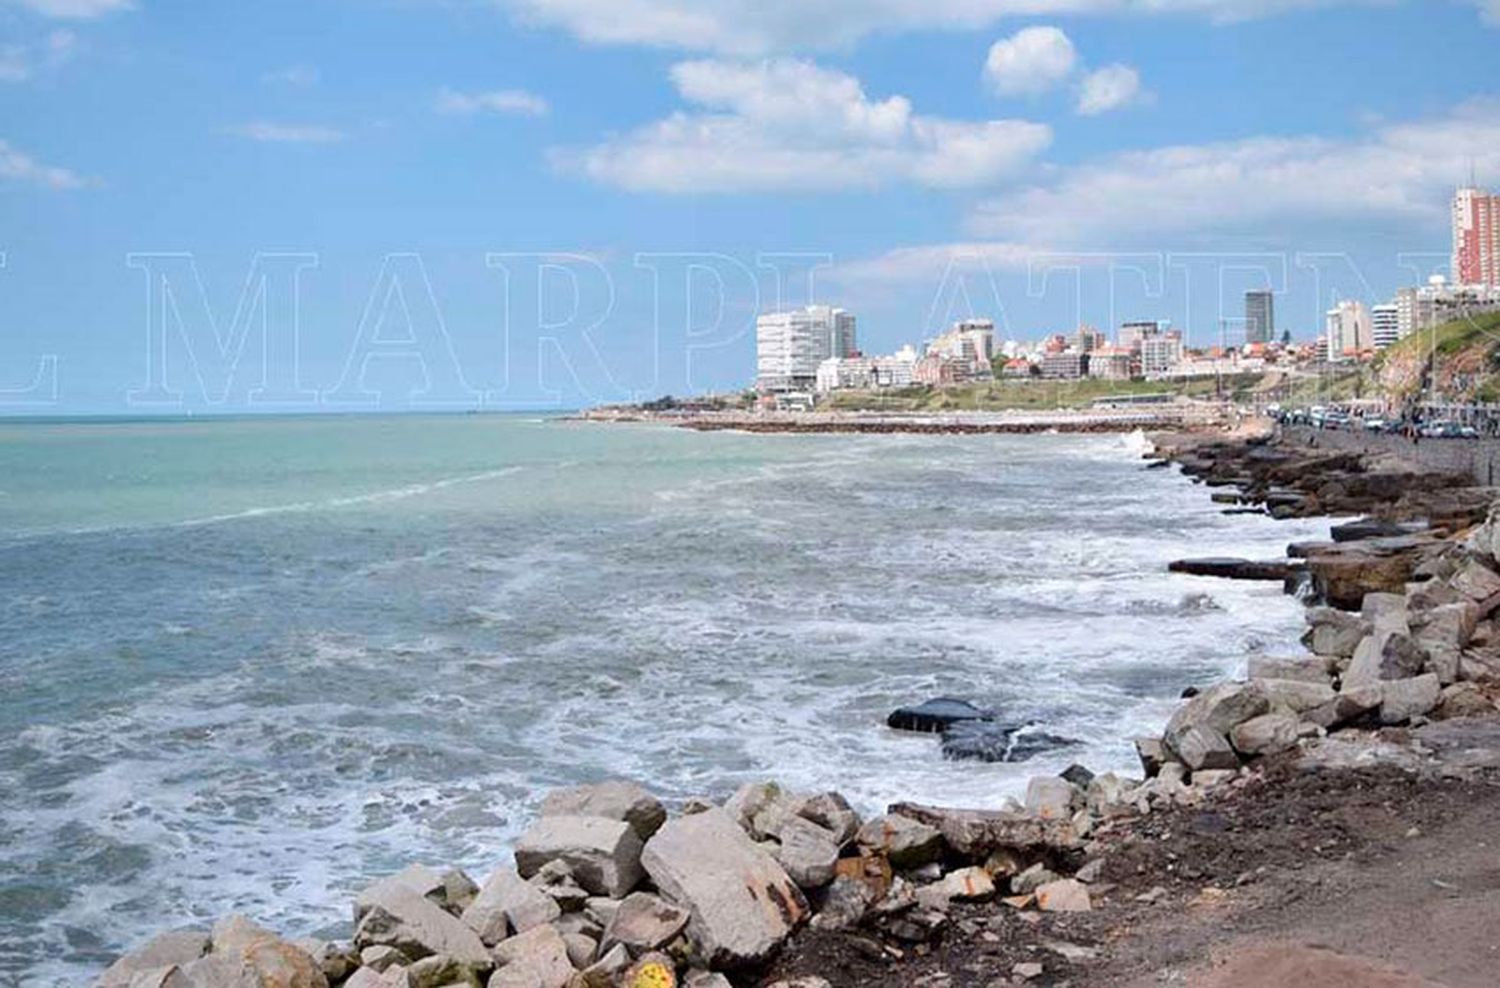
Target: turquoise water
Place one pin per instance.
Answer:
(248, 664)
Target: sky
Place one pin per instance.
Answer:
(288, 205)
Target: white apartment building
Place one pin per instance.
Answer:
(970, 342)
(1159, 354)
(1385, 325)
(1347, 331)
(790, 346)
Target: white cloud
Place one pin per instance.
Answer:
(514, 102)
(20, 62)
(748, 27)
(278, 133)
(1402, 172)
(77, 9)
(300, 76)
(17, 166)
(1109, 88)
(1032, 60)
(791, 125)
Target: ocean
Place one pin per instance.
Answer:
(250, 664)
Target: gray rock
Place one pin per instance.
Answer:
(808, 852)
(1265, 735)
(174, 947)
(1385, 655)
(1215, 711)
(975, 833)
(1350, 704)
(1443, 633)
(604, 855)
(1031, 879)
(1153, 754)
(163, 977)
(749, 800)
(832, 812)
(741, 904)
(1110, 795)
(582, 950)
(963, 884)
(366, 977)
(537, 957)
(645, 922)
(602, 973)
(1403, 699)
(508, 902)
(395, 915)
(1463, 700)
(1066, 895)
(1311, 669)
(1475, 581)
(555, 880)
(705, 979)
(614, 800)
(1297, 695)
(441, 972)
(1385, 611)
(336, 961)
(379, 958)
(1050, 797)
(1201, 748)
(1333, 632)
(844, 904)
(905, 842)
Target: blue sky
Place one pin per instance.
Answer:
(636, 161)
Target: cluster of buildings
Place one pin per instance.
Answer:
(805, 352)
(1352, 330)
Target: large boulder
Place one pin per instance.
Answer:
(990, 741)
(975, 833)
(1350, 704)
(1333, 632)
(1306, 669)
(1265, 735)
(643, 923)
(1201, 748)
(614, 800)
(1217, 709)
(175, 947)
(905, 842)
(808, 852)
(535, 959)
(1476, 581)
(935, 716)
(604, 855)
(1443, 633)
(741, 904)
(1403, 699)
(1050, 797)
(1385, 654)
(1296, 695)
(392, 914)
(508, 902)
(831, 811)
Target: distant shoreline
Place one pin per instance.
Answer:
(947, 423)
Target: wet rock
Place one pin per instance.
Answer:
(615, 799)
(808, 852)
(392, 914)
(1200, 748)
(742, 905)
(1375, 528)
(907, 843)
(986, 741)
(1078, 775)
(164, 950)
(508, 902)
(1342, 579)
(1276, 570)
(537, 957)
(975, 833)
(935, 716)
(1265, 735)
(604, 855)
(1403, 699)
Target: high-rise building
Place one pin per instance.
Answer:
(1476, 238)
(1385, 324)
(1260, 317)
(1347, 331)
(789, 346)
(1131, 333)
(1160, 353)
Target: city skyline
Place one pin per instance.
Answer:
(562, 205)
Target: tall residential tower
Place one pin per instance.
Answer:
(1476, 238)
(1260, 317)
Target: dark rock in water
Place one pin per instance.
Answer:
(986, 741)
(1277, 570)
(1376, 528)
(1078, 775)
(936, 716)
(1190, 692)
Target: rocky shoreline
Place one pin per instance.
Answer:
(947, 423)
(1395, 696)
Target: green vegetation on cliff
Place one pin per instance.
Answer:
(1028, 395)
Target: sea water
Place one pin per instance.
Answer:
(251, 664)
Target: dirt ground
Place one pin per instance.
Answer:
(1367, 879)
